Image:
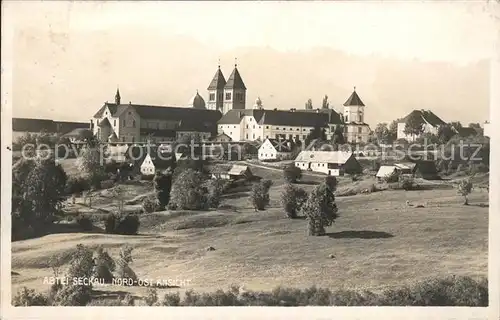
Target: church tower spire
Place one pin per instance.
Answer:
(117, 96)
(234, 91)
(216, 91)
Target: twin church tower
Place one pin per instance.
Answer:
(226, 95)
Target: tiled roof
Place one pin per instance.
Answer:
(354, 100)
(338, 157)
(385, 171)
(47, 125)
(234, 81)
(283, 117)
(426, 115)
(218, 81)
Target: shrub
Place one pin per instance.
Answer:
(150, 204)
(163, 187)
(292, 173)
(331, 182)
(123, 269)
(259, 195)
(188, 192)
(407, 183)
(320, 209)
(110, 223)
(171, 299)
(127, 224)
(84, 222)
(151, 296)
(292, 199)
(29, 297)
(75, 185)
(464, 189)
(105, 266)
(216, 188)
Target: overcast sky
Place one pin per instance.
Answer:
(71, 56)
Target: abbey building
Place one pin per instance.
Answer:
(224, 113)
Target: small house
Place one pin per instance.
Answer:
(234, 172)
(335, 163)
(385, 172)
(156, 162)
(405, 167)
(275, 149)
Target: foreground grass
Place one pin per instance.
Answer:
(378, 243)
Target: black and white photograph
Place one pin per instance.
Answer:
(250, 154)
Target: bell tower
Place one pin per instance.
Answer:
(234, 91)
(216, 91)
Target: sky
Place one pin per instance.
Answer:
(69, 57)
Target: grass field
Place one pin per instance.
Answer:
(378, 242)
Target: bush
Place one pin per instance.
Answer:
(216, 187)
(151, 296)
(188, 191)
(331, 182)
(259, 195)
(150, 204)
(105, 266)
(75, 185)
(147, 177)
(163, 187)
(84, 222)
(292, 199)
(110, 223)
(450, 291)
(464, 189)
(292, 173)
(29, 297)
(171, 299)
(320, 209)
(407, 183)
(127, 224)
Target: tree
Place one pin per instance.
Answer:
(292, 199)
(464, 189)
(474, 125)
(456, 124)
(215, 188)
(163, 185)
(320, 209)
(259, 195)
(292, 173)
(325, 104)
(414, 125)
(445, 133)
(42, 192)
(338, 137)
(188, 192)
(316, 133)
(393, 131)
(382, 133)
(309, 104)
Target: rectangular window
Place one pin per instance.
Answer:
(133, 123)
(124, 122)
(114, 123)
(253, 136)
(267, 127)
(228, 95)
(254, 126)
(247, 135)
(360, 130)
(298, 129)
(212, 97)
(247, 126)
